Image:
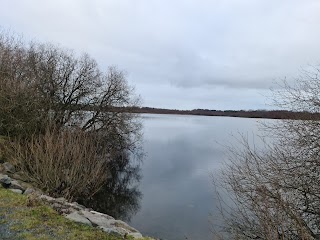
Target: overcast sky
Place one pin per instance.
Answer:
(185, 54)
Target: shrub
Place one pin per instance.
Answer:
(63, 163)
(276, 189)
(65, 117)
(43, 85)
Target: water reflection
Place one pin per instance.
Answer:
(178, 195)
(182, 152)
(120, 196)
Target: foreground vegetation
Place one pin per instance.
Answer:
(275, 189)
(59, 129)
(57, 117)
(27, 218)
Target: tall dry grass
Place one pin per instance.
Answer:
(63, 163)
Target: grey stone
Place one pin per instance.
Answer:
(102, 214)
(57, 205)
(61, 199)
(16, 190)
(65, 211)
(20, 176)
(75, 216)
(5, 180)
(119, 231)
(135, 235)
(16, 185)
(47, 198)
(77, 206)
(8, 167)
(80, 214)
(113, 231)
(122, 224)
(98, 219)
(29, 191)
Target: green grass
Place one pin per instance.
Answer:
(29, 219)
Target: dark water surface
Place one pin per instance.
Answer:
(177, 191)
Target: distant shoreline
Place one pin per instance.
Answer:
(267, 114)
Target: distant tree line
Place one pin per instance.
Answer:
(272, 114)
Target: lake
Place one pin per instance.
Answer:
(182, 152)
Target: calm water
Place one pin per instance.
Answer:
(181, 153)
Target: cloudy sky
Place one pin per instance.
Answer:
(184, 54)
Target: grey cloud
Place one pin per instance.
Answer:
(180, 44)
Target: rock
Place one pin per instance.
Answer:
(113, 231)
(20, 176)
(98, 219)
(47, 198)
(110, 225)
(5, 180)
(65, 211)
(32, 191)
(119, 223)
(61, 199)
(57, 206)
(102, 214)
(77, 206)
(8, 167)
(136, 235)
(16, 185)
(16, 190)
(75, 216)
(119, 231)
(74, 211)
(29, 191)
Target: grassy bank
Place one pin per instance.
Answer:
(23, 217)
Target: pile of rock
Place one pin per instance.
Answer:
(72, 211)
(81, 214)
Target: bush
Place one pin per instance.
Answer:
(42, 85)
(20, 111)
(64, 116)
(275, 190)
(63, 163)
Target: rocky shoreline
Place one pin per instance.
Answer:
(13, 181)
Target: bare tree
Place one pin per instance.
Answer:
(19, 111)
(275, 190)
(46, 91)
(42, 85)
